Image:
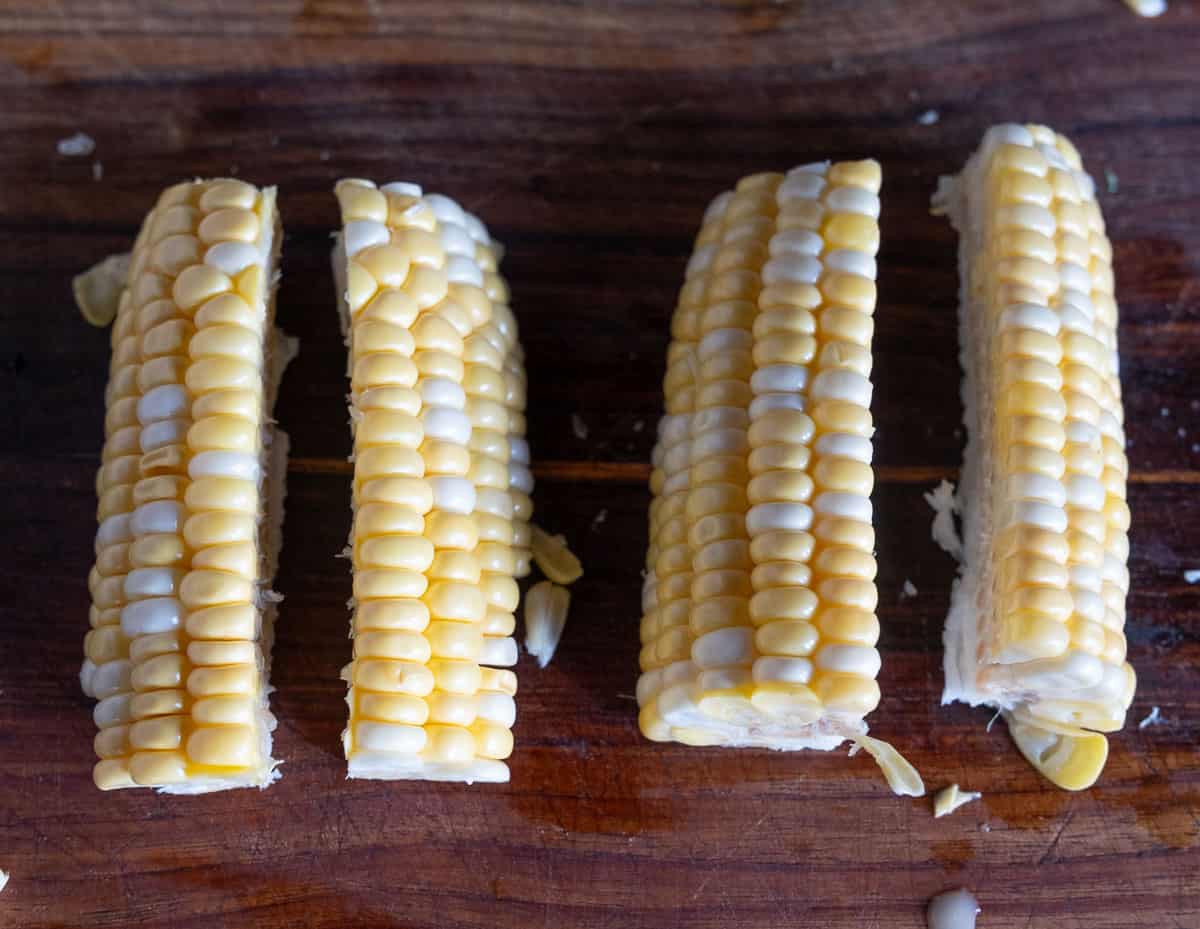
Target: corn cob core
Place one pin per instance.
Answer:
(1036, 619)
(189, 504)
(441, 487)
(759, 598)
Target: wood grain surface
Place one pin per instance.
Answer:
(590, 136)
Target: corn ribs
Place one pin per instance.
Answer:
(759, 624)
(442, 485)
(190, 492)
(1037, 616)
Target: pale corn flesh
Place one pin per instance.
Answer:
(759, 600)
(1037, 623)
(441, 490)
(179, 643)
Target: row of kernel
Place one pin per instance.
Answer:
(191, 267)
(395, 275)
(412, 693)
(1041, 294)
(158, 559)
(391, 548)
(504, 337)
(779, 490)
(225, 296)
(485, 714)
(665, 633)
(1086, 335)
(723, 649)
(1031, 551)
(1098, 517)
(500, 648)
(846, 661)
(712, 677)
(496, 462)
(666, 638)
(829, 233)
(105, 674)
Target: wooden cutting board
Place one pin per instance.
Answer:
(590, 136)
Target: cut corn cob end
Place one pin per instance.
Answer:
(441, 491)
(759, 600)
(1037, 616)
(190, 496)
(546, 607)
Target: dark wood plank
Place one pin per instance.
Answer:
(590, 137)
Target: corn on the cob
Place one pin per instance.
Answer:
(759, 598)
(191, 492)
(1036, 619)
(441, 487)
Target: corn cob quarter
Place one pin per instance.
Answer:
(759, 623)
(441, 490)
(190, 497)
(1037, 616)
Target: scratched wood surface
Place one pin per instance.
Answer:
(590, 136)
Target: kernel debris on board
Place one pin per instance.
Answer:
(78, 145)
(944, 505)
(1147, 8)
(546, 607)
(954, 909)
(951, 798)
